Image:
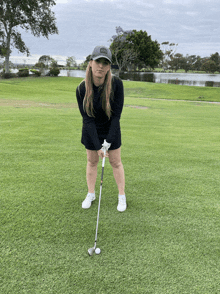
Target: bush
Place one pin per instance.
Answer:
(144, 69)
(54, 72)
(8, 75)
(23, 72)
(36, 72)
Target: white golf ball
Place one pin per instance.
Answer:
(98, 251)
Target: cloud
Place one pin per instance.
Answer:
(62, 1)
(189, 28)
(91, 1)
(33, 59)
(83, 24)
(178, 2)
(192, 13)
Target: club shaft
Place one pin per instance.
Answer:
(100, 195)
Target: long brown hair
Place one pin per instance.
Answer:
(105, 95)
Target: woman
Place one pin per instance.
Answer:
(100, 98)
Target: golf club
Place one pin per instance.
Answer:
(92, 250)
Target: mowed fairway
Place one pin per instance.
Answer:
(167, 241)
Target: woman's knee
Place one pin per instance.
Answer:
(115, 158)
(92, 158)
(115, 163)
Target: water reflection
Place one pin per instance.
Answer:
(188, 79)
(202, 80)
(73, 73)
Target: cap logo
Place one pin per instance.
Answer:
(103, 50)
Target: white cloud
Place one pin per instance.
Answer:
(100, 1)
(83, 24)
(62, 1)
(178, 2)
(32, 59)
(189, 28)
(192, 13)
(171, 11)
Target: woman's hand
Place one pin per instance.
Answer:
(101, 154)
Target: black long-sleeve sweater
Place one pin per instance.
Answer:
(96, 129)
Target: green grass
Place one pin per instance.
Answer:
(167, 241)
(169, 91)
(52, 90)
(62, 89)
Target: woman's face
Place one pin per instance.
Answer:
(100, 67)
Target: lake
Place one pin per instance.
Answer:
(188, 79)
(73, 73)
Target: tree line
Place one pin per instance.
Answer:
(135, 50)
(195, 63)
(132, 49)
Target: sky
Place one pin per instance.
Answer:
(83, 24)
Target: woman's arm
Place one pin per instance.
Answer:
(88, 122)
(117, 107)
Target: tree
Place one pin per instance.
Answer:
(209, 66)
(46, 60)
(168, 51)
(2, 51)
(122, 54)
(135, 47)
(86, 62)
(71, 61)
(192, 61)
(39, 65)
(54, 69)
(189, 62)
(1, 39)
(54, 63)
(198, 63)
(216, 58)
(175, 61)
(11, 65)
(186, 62)
(148, 51)
(30, 15)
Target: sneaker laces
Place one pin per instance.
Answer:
(89, 197)
(122, 200)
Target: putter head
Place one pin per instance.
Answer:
(91, 251)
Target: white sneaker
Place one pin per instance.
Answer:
(88, 201)
(121, 203)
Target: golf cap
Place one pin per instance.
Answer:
(101, 52)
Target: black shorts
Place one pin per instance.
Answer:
(86, 141)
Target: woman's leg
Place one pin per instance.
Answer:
(118, 169)
(91, 169)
